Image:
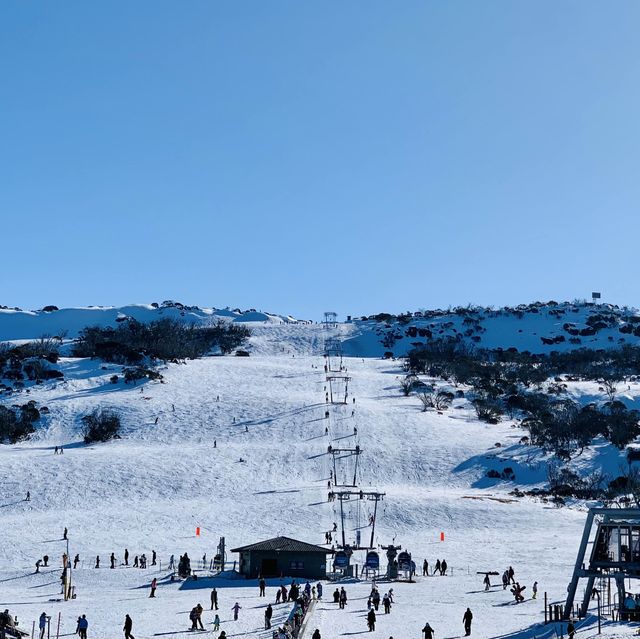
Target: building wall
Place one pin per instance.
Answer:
(289, 564)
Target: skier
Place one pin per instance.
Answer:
(425, 568)
(438, 568)
(113, 560)
(371, 620)
(505, 579)
(535, 590)
(236, 608)
(45, 559)
(83, 624)
(386, 604)
(216, 623)
(336, 596)
(42, 624)
(466, 619)
(97, 561)
(154, 585)
(443, 567)
(128, 624)
(428, 631)
(268, 613)
(153, 557)
(199, 610)
(76, 560)
(135, 562)
(335, 527)
(172, 563)
(214, 599)
(487, 582)
(38, 566)
(55, 451)
(126, 557)
(193, 617)
(262, 585)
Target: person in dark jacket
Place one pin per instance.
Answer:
(428, 631)
(113, 560)
(371, 620)
(268, 613)
(316, 634)
(466, 619)
(128, 625)
(437, 568)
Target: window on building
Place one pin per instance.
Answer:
(296, 565)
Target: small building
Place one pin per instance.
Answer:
(283, 556)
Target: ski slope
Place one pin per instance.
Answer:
(152, 488)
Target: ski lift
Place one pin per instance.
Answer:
(341, 560)
(404, 561)
(372, 561)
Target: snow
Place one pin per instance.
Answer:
(150, 489)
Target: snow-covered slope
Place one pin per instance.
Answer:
(237, 446)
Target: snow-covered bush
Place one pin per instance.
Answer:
(101, 426)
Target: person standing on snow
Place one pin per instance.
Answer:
(128, 625)
(443, 567)
(214, 599)
(268, 613)
(154, 585)
(113, 560)
(262, 585)
(319, 587)
(76, 560)
(236, 608)
(466, 619)
(371, 620)
(216, 623)
(97, 561)
(487, 582)
(437, 568)
(428, 631)
(126, 557)
(42, 624)
(425, 568)
(535, 590)
(83, 625)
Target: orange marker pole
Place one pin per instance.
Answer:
(197, 531)
(441, 536)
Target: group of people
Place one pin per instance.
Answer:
(439, 569)
(467, 619)
(374, 600)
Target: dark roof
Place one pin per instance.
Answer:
(282, 544)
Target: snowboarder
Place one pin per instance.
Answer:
(371, 620)
(268, 613)
(516, 591)
(83, 625)
(128, 625)
(428, 631)
(112, 559)
(466, 619)
(214, 599)
(154, 585)
(236, 608)
(126, 557)
(425, 568)
(42, 624)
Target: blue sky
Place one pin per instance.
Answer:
(301, 156)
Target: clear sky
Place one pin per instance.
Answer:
(297, 156)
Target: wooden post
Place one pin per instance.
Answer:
(58, 630)
(33, 629)
(545, 607)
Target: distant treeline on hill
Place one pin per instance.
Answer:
(165, 339)
(532, 387)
